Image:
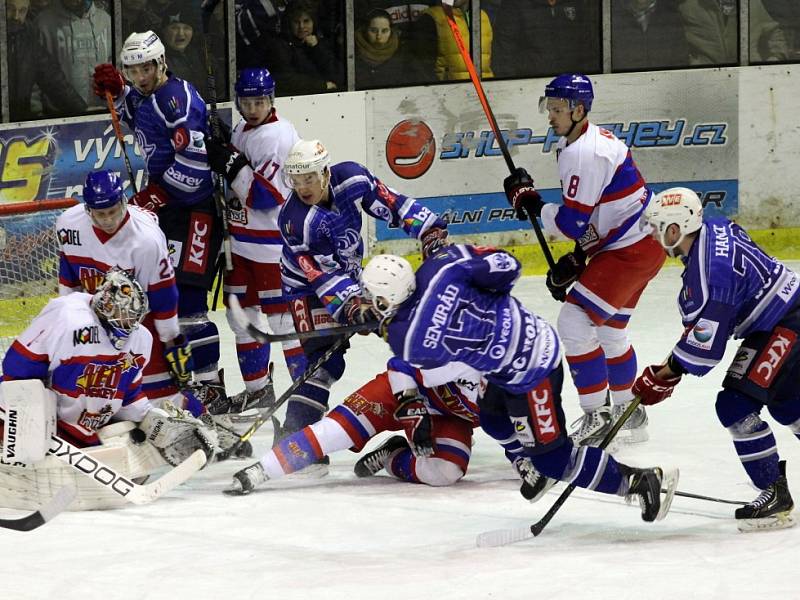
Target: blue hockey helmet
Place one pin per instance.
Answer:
(255, 82)
(102, 189)
(575, 88)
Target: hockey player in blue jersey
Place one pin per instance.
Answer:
(320, 224)
(458, 311)
(168, 117)
(731, 288)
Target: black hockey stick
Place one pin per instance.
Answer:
(46, 513)
(208, 7)
(120, 139)
(265, 415)
(708, 498)
(447, 6)
(266, 338)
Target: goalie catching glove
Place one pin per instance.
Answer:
(177, 434)
(413, 415)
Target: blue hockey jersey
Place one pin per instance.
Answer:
(462, 314)
(731, 288)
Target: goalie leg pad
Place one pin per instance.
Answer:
(30, 420)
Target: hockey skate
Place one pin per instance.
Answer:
(372, 462)
(592, 427)
(246, 480)
(534, 484)
(316, 470)
(634, 430)
(771, 510)
(646, 486)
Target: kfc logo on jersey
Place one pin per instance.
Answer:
(543, 411)
(702, 334)
(195, 257)
(302, 318)
(772, 357)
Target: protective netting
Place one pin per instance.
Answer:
(28, 263)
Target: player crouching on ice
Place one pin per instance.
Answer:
(457, 313)
(80, 365)
(732, 288)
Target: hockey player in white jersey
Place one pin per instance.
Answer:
(105, 232)
(603, 197)
(89, 352)
(252, 163)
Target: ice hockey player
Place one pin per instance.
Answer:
(168, 117)
(252, 163)
(321, 261)
(105, 232)
(458, 312)
(614, 258)
(731, 288)
(89, 352)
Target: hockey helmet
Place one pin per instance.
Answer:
(388, 281)
(575, 88)
(679, 206)
(121, 304)
(140, 48)
(307, 156)
(102, 189)
(255, 82)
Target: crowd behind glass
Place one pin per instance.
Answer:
(53, 45)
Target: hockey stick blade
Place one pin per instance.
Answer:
(117, 483)
(502, 537)
(46, 513)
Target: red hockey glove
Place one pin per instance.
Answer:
(150, 198)
(413, 415)
(522, 195)
(565, 272)
(432, 241)
(106, 78)
(653, 389)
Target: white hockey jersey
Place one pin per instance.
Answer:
(603, 193)
(138, 247)
(68, 349)
(261, 190)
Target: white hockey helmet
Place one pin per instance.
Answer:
(140, 48)
(388, 281)
(679, 206)
(307, 156)
(121, 304)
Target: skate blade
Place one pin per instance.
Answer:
(783, 520)
(632, 436)
(235, 491)
(669, 483)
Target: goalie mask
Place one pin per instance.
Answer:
(678, 206)
(121, 304)
(388, 281)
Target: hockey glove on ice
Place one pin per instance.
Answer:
(432, 241)
(225, 159)
(150, 198)
(179, 360)
(566, 272)
(413, 415)
(522, 195)
(106, 78)
(653, 389)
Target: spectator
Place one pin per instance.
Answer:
(136, 14)
(647, 34)
(768, 40)
(712, 30)
(403, 14)
(546, 37)
(449, 66)
(380, 58)
(184, 56)
(787, 14)
(78, 35)
(258, 33)
(36, 8)
(30, 64)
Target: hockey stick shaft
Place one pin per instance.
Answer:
(57, 504)
(708, 498)
(487, 109)
(537, 527)
(120, 139)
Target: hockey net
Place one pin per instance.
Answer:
(28, 263)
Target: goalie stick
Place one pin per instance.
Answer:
(266, 338)
(46, 513)
(120, 138)
(447, 6)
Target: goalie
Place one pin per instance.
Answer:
(77, 370)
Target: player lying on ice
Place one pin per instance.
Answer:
(732, 288)
(82, 359)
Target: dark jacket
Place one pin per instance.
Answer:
(662, 44)
(30, 63)
(400, 70)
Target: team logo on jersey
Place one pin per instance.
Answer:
(542, 407)
(86, 335)
(295, 450)
(309, 267)
(775, 352)
(410, 149)
(180, 138)
(522, 427)
(361, 406)
(69, 236)
(742, 360)
(500, 262)
(90, 278)
(702, 334)
(92, 421)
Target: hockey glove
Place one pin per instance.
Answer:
(413, 415)
(177, 434)
(522, 195)
(358, 311)
(179, 360)
(653, 389)
(566, 272)
(106, 78)
(225, 159)
(150, 198)
(432, 241)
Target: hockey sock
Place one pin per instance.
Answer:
(253, 364)
(590, 377)
(755, 444)
(621, 375)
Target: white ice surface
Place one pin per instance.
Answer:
(340, 537)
